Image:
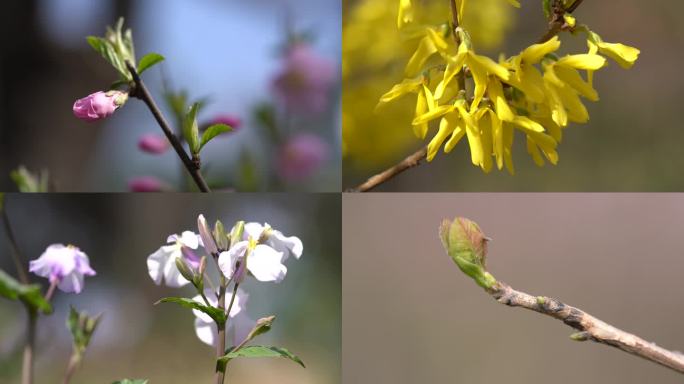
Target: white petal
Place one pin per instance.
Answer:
(252, 230)
(264, 263)
(72, 282)
(240, 302)
(286, 244)
(172, 276)
(156, 263)
(190, 239)
(206, 331)
(227, 259)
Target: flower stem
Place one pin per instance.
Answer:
(71, 368)
(51, 290)
(27, 366)
(16, 254)
(143, 93)
(221, 330)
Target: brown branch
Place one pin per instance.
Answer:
(556, 24)
(588, 326)
(192, 165)
(412, 161)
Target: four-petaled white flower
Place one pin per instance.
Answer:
(162, 263)
(63, 265)
(274, 239)
(239, 323)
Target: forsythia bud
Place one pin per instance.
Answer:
(467, 245)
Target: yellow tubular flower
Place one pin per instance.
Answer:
(480, 67)
(405, 13)
(624, 55)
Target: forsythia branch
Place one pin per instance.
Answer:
(588, 326)
(411, 161)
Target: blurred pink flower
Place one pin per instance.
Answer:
(301, 156)
(153, 143)
(99, 105)
(304, 83)
(146, 184)
(63, 265)
(231, 120)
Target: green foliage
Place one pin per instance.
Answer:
(148, 61)
(256, 351)
(107, 50)
(29, 182)
(82, 328)
(29, 294)
(220, 235)
(546, 6)
(212, 132)
(215, 313)
(191, 129)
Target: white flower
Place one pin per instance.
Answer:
(239, 323)
(274, 239)
(162, 263)
(264, 262)
(65, 265)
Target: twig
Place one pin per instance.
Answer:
(555, 26)
(412, 161)
(142, 93)
(27, 366)
(589, 327)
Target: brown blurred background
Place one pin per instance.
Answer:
(631, 143)
(411, 316)
(138, 340)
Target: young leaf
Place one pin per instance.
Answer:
(129, 381)
(256, 351)
(148, 61)
(82, 328)
(107, 50)
(29, 294)
(215, 313)
(212, 132)
(190, 128)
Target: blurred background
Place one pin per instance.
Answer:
(616, 256)
(631, 142)
(138, 340)
(230, 54)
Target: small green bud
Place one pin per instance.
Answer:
(184, 270)
(236, 233)
(467, 245)
(541, 300)
(580, 336)
(262, 326)
(220, 236)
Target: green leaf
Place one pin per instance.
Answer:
(107, 50)
(215, 313)
(148, 61)
(82, 328)
(28, 294)
(546, 6)
(29, 182)
(191, 129)
(129, 381)
(212, 132)
(256, 351)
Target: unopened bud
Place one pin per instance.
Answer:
(467, 245)
(220, 236)
(262, 326)
(205, 234)
(236, 233)
(184, 270)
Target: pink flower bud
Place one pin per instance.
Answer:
(153, 143)
(99, 105)
(146, 184)
(301, 156)
(231, 120)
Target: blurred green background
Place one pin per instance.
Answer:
(616, 256)
(631, 143)
(139, 340)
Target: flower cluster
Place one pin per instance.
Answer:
(249, 249)
(536, 92)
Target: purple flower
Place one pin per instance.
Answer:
(304, 82)
(99, 105)
(230, 120)
(146, 184)
(63, 265)
(153, 143)
(301, 156)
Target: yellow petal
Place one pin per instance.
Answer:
(576, 111)
(445, 128)
(533, 150)
(401, 89)
(457, 134)
(514, 3)
(454, 66)
(437, 39)
(426, 48)
(530, 82)
(583, 61)
(508, 148)
(571, 77)
(420, 130)
(474, 139)
(527, 125)
(624, 55)
(485, 125)
(480, 79)
(489, 65)
(435, 113)
(495, 92)
(534, 53)
(405, 13)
